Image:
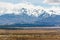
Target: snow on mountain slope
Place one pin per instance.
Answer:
(53, 10)
(30, 9)
(24, 13)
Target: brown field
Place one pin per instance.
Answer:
(30, 34)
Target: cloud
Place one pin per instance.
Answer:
(5, 8)
(55, 2)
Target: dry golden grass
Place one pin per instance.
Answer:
(29, 34)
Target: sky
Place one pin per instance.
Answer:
(44, 3)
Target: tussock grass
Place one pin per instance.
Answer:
(29, 34)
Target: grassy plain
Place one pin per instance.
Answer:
(30, 34)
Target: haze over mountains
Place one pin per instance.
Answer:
(28, 14)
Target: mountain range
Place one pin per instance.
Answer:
(29, 17)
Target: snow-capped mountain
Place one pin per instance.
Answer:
(28, 14)
(8, 8)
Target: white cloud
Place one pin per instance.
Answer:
(52, 2)
(5, 7)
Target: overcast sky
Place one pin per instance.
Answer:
(44, 3)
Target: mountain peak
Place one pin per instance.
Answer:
(26, 8)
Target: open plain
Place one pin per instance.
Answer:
(38, 34)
